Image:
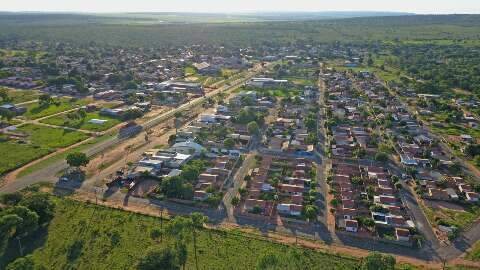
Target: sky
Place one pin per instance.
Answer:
(229, 6)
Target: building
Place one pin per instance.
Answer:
(290, 209)
(187, 148)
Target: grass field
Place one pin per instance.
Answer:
(82, 123)
(39, 142)
(15, 155)
(102, 238)
(35, 111)
(19, 96)
(61, 156)
(52, 137)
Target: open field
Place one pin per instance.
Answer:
(18, 96)
(459, 219)
(82, 123)
(61, 156)
(103, 238)
(39, 142)
(35, 111)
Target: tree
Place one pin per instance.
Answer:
(11, 198)
(24, 263)
(378, 261)
(77, 159)
(382, 157)
(253, 128)
(8, 228)
(164, 259)
(310, 212)
(235, 201)
(41, 204)
(6, 114)
(45, 100)
(29, 218)
(229, 143)
(4, 95)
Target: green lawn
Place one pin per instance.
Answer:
(103, 238)
(19, 96)
(35, 111)
(63, 120)
(39, 142)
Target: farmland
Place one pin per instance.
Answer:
(113, 239)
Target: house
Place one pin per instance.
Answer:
(187, 148)
(466, 138)
(251, 204)
(451, 193)
(207, 178)
(200, 195)
(291, 189)
(472, 197)
(351, 225)
(385, 200)
(16, 110)
(290, 209)
(402, 234)
(438, 194)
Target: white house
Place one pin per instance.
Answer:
(187, 148)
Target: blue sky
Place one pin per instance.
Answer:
(417, 6)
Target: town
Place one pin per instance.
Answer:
(330, 144)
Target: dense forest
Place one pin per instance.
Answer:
(114, 31)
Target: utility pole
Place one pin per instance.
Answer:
(161, 224)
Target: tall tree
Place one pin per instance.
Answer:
(77, 159)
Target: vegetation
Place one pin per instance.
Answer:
(52, 106)
(38, 142)
(117, 32)
(77, 159)
(81, 121)
(474, 253)
(113, 239)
